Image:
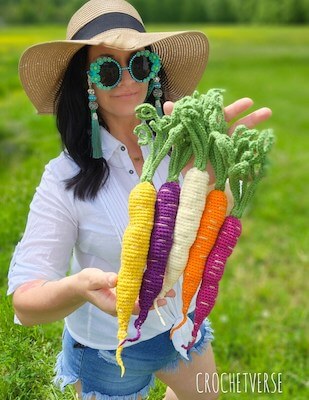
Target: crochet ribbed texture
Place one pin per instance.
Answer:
(246, 155)
(173, 231)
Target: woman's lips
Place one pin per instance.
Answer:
(125, 95)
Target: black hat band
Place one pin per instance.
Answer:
(107, 22)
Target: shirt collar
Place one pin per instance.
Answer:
(109, 143)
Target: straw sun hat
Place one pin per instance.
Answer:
(116, 24)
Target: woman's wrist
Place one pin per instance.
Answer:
(42, 301)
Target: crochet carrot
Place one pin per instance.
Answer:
(244, 177)
(135, 245)
(160, 245)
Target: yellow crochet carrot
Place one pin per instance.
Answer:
(133, 256)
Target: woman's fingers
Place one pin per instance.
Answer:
(233, 111)
(253, 119)
(161, 302)
(170, 293)
(168, 107)
(239, 106)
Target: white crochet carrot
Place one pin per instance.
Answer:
(211, 221)
(191, 204)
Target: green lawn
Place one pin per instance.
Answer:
(261, 319)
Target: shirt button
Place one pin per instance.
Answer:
(122, 148)
(131, 171)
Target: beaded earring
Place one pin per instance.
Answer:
(95, 127)
(157, 94)
(155, 89)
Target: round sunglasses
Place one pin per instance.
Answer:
(106, 72)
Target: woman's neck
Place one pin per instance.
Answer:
(122, 129)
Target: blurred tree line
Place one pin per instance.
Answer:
(156, 11)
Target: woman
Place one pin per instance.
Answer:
(93, 82)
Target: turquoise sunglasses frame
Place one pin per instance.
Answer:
(95, 68)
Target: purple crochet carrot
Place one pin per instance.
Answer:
(244, 177)
(160, 245)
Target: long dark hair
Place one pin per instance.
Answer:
(74, 125)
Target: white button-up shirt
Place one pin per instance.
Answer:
(64, 235)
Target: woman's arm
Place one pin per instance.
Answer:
(42, 301)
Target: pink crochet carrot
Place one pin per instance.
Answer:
(244, 177)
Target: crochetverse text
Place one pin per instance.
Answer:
(240, 382)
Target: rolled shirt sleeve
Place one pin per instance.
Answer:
(51, 231)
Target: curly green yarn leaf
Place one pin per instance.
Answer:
(181, 154)
(221, 155)
(144, 134)
(175, 135)
(146, 112)
(213, 110)
(245, 175)
(147, 136)
(242, 139)
(198, 137)
(194, 118)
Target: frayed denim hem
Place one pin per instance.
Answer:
(200, 347)
(134, 396)
(61, 380)
(207, 335)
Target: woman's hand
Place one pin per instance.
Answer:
(251, 120)
(99, 288)
(233, 111)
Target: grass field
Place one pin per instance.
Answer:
(261, 317)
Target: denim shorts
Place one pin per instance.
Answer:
(99, 373)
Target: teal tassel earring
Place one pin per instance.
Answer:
(95, 127)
